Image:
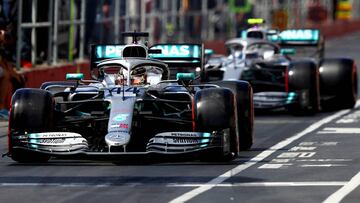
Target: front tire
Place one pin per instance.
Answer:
(31, 112)
(245, 110)
(214, 110)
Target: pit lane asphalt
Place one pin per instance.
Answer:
(311, 168)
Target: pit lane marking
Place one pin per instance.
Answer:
(35, 184)
(267, 184)
(245, 184)
(228, 174)
(351, 118)
(321, 165)
(280, 121)
(274, 166)
(339, 131)
(323, 160)
(345, 190)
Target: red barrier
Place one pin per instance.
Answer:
(36, 76)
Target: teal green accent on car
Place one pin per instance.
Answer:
(291, 97)
(306, 35)
(80, 113)
(176, 51)
(33, 135)
(108, 51)
(288, 51)
(206, 140)
(209, 51)
(120, 117)
(185, 76)
(74, 76)
(33, 146)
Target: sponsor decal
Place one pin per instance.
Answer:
(47, 135)
(184, 140)
(109, 51)
(58, 141)
(119, 125)
(124, 125)
(297, 35)
(53, 135)
(180, 51)
(49, 141)
(181, 134)
(120, 110)
(120, 117)
(117, 138)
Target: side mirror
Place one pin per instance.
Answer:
(287, 51)
(185, 78)
(74, 76)
(209, 52)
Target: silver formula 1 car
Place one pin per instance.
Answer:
(288, 70)
(130, 109)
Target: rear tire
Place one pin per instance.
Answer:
(338, 83)
(31, 112)
(214, 111)
(304, 81)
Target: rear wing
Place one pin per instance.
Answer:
(101, 52)
(301, 39)
(109, 51)
(179, 55)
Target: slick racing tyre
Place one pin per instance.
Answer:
(214, 110)
(338, 83)
(31, 112)
(245, 111)
(303, 79)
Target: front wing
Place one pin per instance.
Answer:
(67, 145)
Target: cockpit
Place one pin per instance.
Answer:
(140, 75)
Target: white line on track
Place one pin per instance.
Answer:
(53, 185)
(246, 184)
(228, 174)
(268, 184)
(345, 190)
(339, 131)
(321, 165)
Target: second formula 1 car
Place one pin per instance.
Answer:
(281, 77)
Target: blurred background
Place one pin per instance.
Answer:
(53, 31)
